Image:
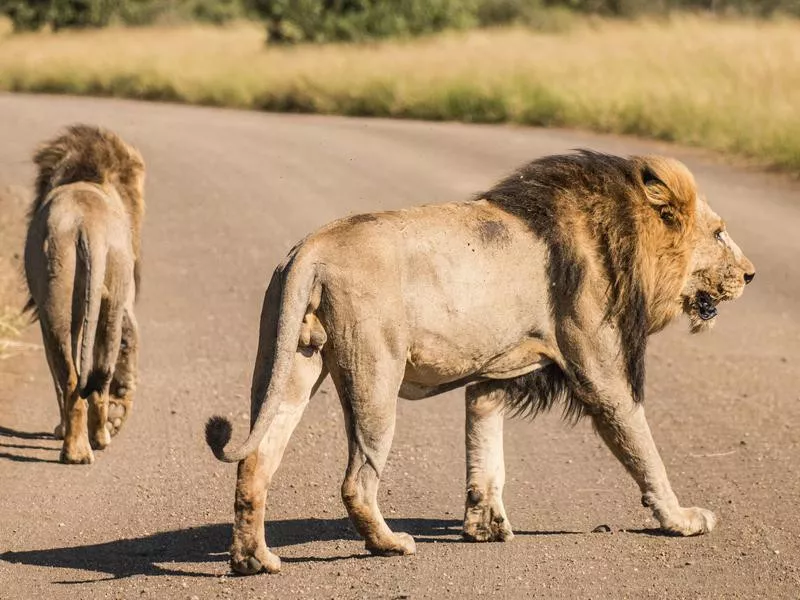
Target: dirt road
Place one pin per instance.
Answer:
(229, 193)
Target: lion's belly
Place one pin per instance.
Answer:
(434, 362)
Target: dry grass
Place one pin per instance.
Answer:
(12, 295)
(732, 86)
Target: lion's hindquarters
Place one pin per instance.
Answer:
(249, 552)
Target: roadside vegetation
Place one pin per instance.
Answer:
(726, 84)
(12, 215)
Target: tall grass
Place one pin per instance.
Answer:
(732, 86)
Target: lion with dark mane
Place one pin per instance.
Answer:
(541, 291)
(82, 266)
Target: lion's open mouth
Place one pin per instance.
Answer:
(706, 308)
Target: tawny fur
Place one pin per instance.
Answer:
(82, 265)
(543, 289)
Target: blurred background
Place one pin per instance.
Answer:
(717, 74)
(720, 74)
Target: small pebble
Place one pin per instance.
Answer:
(602, 529)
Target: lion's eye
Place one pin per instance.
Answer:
(719, 233)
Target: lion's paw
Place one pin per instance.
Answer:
(79, 453)
(100, 439)
(399, 544)
(58, 432)
(485, 521)
(119, 409)
(690, 521)
(262, 560)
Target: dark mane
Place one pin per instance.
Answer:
(556, 197)
(90, 154)
(85, 153)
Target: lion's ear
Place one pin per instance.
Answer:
(658, 195)
(668, 188)
(650, 179)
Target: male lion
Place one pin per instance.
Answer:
(543, 289)
(82, 268)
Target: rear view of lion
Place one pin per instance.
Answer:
(82, 269)
(543, 290)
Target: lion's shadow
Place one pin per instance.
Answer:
(151, 555)
(27, 437)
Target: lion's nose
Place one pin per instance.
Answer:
(748, 277)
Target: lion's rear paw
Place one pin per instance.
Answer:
(690, 521)
(119, 409)
(77, 454)
(398, 545)
(486, 522)
(100, 439)
(58, 432)
(262, 560)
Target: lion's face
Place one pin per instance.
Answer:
(718, 270)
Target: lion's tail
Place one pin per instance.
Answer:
(93, 257)
(297, 287)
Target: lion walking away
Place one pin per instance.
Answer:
(540, 292)
(82, 269)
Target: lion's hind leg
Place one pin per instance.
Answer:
(369, 400)
(105, 352)
(73, 408)
(51, 353)
(485, 517)
(55, 306)
(124, 379)
(249, 551)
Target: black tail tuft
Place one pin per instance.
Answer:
(218, 434)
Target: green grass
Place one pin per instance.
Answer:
(731, 86)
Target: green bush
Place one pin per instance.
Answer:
(32, 15)
(291, 21)
(215, 11)
(25, 15)
(80, 13)
(141, 12)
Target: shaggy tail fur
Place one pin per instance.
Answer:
(218, 434)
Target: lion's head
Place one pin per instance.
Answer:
(718, 269)
(92, 154)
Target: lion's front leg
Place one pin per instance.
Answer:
(485, 517)
(627, 434)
